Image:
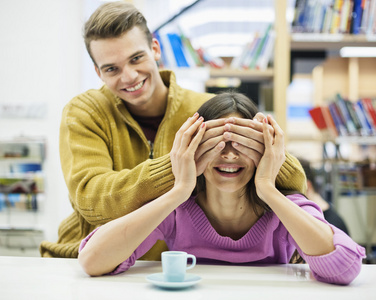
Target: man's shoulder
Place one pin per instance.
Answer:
(93, 98)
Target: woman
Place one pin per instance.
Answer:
(233, 212)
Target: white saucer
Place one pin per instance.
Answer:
(158, 280)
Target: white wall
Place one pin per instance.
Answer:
(41, 54)
(43, 61)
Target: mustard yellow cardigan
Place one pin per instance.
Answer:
(105, 161)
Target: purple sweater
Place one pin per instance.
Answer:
(267, 242)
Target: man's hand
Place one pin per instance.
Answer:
(211, 144)
(246, 136)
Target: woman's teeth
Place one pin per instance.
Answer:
(229, 170)
(136, 87)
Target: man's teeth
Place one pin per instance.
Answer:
(229, 170)
(136, 87)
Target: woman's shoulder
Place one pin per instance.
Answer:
(302, 201)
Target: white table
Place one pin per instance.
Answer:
(53, 278)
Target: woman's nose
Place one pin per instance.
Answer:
(229, 152)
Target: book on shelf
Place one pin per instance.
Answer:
(177, 51)
(342, 117)
(27, 202)
(335, 16)
(345, 115)
(323, 120)
(370, 110)
(363, 118)
(258, 52)
(338, 119)
(19, 186)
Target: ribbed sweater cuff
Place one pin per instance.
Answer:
(341, 266)
(291, 175)
(161, 170)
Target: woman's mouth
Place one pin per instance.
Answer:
(229, 171)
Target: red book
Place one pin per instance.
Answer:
(371, 111)
(323, 120)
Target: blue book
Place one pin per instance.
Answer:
(177, 48)
(366, 125)
(346, 115)
(337, 118)
(357, 17)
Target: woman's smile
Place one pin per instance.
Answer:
(229, 170)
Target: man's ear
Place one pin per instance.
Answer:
(156, 48)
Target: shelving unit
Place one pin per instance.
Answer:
(354, 192)
(21, 192)
(278, 74)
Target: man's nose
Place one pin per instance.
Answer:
(129, 75)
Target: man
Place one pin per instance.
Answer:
(115, 141)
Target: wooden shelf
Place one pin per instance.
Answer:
(359, 140)
(246, 75)
(319, 41)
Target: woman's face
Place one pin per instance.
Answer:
(230, 170)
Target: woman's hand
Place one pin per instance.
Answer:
(182, 154)
(273, 158)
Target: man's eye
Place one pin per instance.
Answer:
(136, 58)
(111, 70)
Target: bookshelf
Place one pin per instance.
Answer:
(21, 192)
(278, 75)
(349, 160)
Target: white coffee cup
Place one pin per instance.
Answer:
(174, 265)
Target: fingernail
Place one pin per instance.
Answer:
(195, 114)
(235, 144)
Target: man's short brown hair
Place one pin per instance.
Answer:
(111, 20)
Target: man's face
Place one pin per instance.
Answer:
(127, 65)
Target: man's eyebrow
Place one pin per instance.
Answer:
(106, 66)
(137, 53)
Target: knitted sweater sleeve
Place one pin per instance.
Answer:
(99, 189)
(164, 231)
(343, 264)
(291, 175)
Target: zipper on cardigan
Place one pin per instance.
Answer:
(151, 154)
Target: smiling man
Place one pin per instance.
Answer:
(115, 141)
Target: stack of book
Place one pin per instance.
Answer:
(343, 117)
(258, 53)
(335, 16)
(177, 51)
